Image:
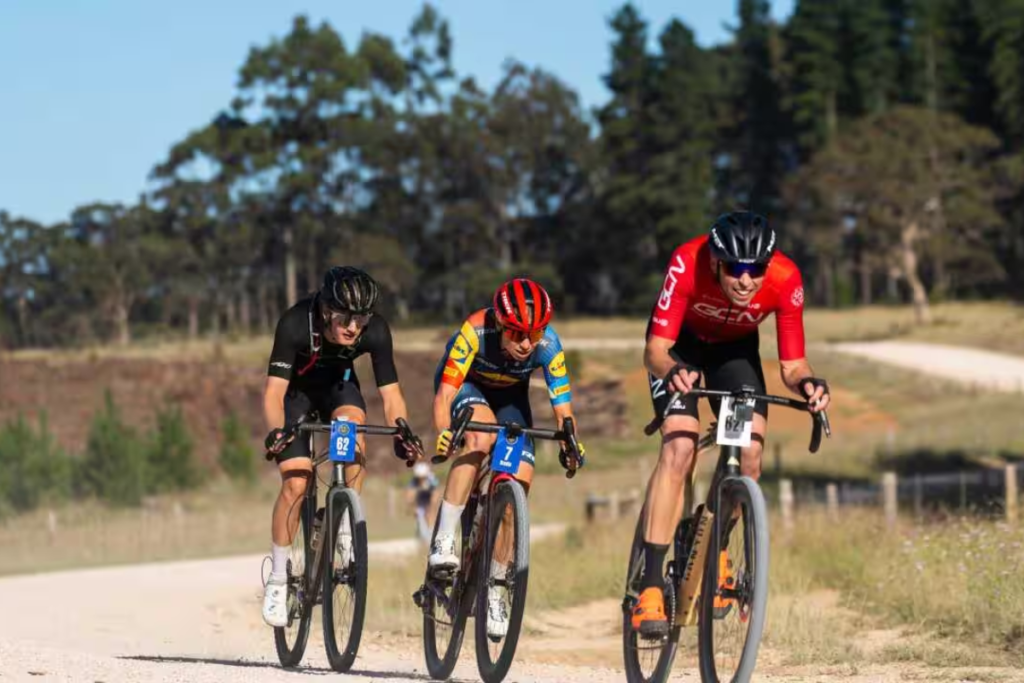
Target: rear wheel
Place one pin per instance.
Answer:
(646, 660)
(291, 640)
(344, 581)
(734, 596)
(508, 541)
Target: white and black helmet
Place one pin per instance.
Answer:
(742, 237)
(349, 289)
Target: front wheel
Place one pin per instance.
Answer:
(734, 597)
(503, 573)
(344, 580)
(291, 640)
(446, 601)
(646, 660)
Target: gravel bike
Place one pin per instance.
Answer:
(495, 519)
(328, 564)
(717, 576)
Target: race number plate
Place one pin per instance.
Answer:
(343, 441)
(735, 419)
(507, 453)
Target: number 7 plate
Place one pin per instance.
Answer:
(507, 453)
(343, 441)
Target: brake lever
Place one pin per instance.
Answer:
(569, 428)
(291, 432)
(461, 422)
(406, 434)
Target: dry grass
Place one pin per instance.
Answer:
(959, 580)
(218, 521)
(941, 596)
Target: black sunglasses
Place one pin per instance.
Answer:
(737, 270)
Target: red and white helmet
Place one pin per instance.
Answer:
(523, 305)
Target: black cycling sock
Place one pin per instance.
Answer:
(654, 565)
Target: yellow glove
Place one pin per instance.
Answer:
(444, 440)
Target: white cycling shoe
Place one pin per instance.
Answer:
(442, 553)
(275, 603)
(497, 616)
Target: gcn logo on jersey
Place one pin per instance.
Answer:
(798, 297)
(671, 279)
(723, 314)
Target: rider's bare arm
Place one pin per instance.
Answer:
(562, 411)
(792, 372)
(273, 402)
(659, 362)
(394, 403)
(443, 405)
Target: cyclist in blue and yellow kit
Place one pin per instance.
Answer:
(487, 364)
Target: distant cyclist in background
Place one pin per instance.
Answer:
(420, 495)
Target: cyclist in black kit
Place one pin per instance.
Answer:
(310, 368)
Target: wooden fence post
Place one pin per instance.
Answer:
(1011, 494)
(918, 496)
(786, 504)
(889, 497)
(832, 497)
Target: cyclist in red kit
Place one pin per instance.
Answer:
(718, 289)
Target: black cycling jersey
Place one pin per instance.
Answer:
(303, 355)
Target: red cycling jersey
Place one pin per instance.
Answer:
(692, 298)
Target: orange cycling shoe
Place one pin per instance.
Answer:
(726, 581)
(649, 618)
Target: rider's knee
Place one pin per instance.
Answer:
(478, 442)
(750, 461)
(677, 452)
(294, 482)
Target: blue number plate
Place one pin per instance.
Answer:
(343, 441)
(507, 453)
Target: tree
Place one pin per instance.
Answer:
(813, 50)
(628, 224)
(758, 158)
(108, 251)
(1003, 27)
(907, 179)
(683, 139)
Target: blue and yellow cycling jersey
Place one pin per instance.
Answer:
(474, 353)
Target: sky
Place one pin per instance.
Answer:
(93, 93)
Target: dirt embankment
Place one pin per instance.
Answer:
(72, 392)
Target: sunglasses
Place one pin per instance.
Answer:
(738, 270)
(346, 318)
(517, 336)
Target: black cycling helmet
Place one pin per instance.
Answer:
(349, 289)
(742, 237)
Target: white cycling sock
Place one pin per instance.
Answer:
(498, 569)
(279, 555)
(450, 516)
